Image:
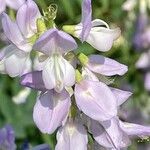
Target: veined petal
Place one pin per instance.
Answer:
(50, 110)
(72, 136)
(102, 38)
(12, 55)
(109, 134)
(13, 33)
(134, 130)
(58, 73)
(94, 99)
(33, 80)
(54, 41)
(27, 16)
(105, 66)
(15, 4)
(2, 6)
(120, 95)
(86, 19)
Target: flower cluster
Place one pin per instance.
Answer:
(75, 94)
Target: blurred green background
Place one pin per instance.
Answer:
(69, 12)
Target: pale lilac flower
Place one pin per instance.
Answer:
(14, 4)
(105, 66)
(7, 138)
(94, 99)
(72, 136)
(18, 34)
(109, 134)
(97, 32)
(50, 110)
(115, 134)
(135, 130)
(57, 72)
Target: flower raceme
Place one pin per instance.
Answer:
(71, 87)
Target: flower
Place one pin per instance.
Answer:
(7, 138)
(56, 72)
(103, 65)
(50, 110)
(94, 98)
(97, 32)
(18, 33)
(72, 136)
(15, 4)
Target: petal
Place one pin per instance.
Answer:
(48, 75)
(71, 135)
(13, 33)
(94, 99)
(12, 55)
(87, 74)
(28, 66)
(143, 61)
(106, 66)
(102, 38)
(2, 6)
(50, 110)
(120, 95)
(58, 73)
(15, 4)
(38, 65)
(109, 134)
(86, 19)
(33, 80)
(134, 130)
(27, 16)
(54, 41)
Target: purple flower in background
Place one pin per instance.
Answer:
(144, 63)
(7, 138)
(14, 4)
(18, 33)
(141, 25)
